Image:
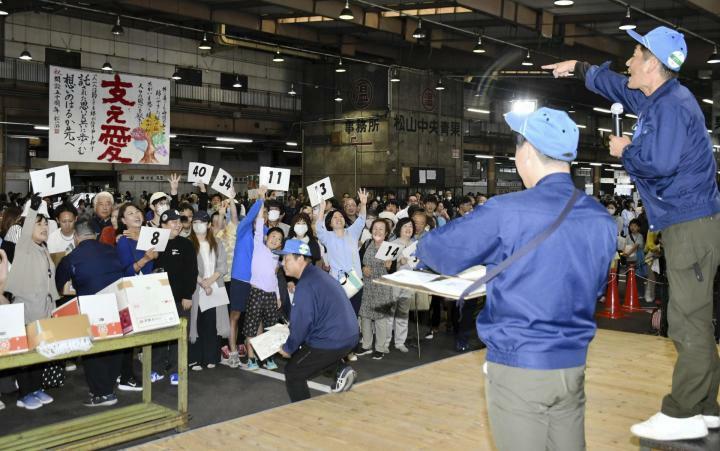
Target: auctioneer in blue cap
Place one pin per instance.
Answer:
(551, 132)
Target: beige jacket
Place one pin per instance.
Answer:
(32, 276)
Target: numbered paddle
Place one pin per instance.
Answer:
(388, 251)
(223, 183)
(277, 179)
(320, 191)
(199, 173)
(152, 238)
(48, 182)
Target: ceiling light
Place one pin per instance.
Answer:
(709, 131)
(524, 106)
(3, 11)
(563, 2)
(291, 151)
(394, 76)
(479, 46)
(25, 55)
(527, 61)
(595, 164)
(478, 110)
(338, 97)
(292, 89)
(176, 75)
(571, 110)
(606, 130)
(233, 140)
(107, 67)
(704, 100)
(627, 23)
(581, 126)
(602, 110)
(346, 13)
(218, 147)
(278, 58)
(615, 165)
(630, 115)
(291, 143)
(627, 134)
(41, 127)
(205, 44)
(439, 86)
(117, 30)
(419, 33)
(485, 157)
(714, 58)
(237, 83)
(171, 136)
(340, 68)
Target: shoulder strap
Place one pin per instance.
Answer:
(527, 248)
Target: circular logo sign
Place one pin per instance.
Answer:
(676, 59)
(362, 94)
(428, 99)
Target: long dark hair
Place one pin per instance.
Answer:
(10, 217)
(209, 236)
(121, 214)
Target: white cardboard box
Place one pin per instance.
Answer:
(13, 338)
(144, 302)
(101, 309)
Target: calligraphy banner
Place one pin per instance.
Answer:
(108, 118)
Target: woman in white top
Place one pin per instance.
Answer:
(628, 214)
(206, 326)
(398, 321)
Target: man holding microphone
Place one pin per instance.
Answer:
(670, 160)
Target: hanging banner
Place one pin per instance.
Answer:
(108, 118)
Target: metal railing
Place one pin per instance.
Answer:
(37, 72)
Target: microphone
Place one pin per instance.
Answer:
(617, 109)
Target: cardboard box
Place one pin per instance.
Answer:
(61, 335)
(13, 339)
(145, 302)
(102, 311)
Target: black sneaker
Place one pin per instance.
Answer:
(130, 385)
(362, 351)
(377, 355)
(98, 401)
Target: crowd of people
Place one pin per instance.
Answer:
(53, 249)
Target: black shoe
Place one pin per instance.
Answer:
(130, 385)
(97, 401)
(362, 351)
(377, 355)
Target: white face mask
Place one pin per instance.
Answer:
(273, 215)
(162, 208)
(200, 227)
(300, 229)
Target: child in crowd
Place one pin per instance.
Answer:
(264, 301)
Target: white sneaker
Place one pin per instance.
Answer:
(401, 348)
(711, 422)
(663, 427)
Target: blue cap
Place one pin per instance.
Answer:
(551, 132)
(666, 44)
(169, 215)
(298, 247)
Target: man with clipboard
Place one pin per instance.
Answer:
(539, 316)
